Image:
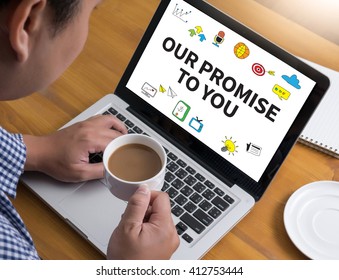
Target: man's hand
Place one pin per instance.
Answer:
(146, 230)
(64, 155)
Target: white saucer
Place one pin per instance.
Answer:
(311, 218)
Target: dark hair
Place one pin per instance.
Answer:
(64, 11)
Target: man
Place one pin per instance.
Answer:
(35, 35)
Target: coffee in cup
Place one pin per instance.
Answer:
(132, 161)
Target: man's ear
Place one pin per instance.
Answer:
(26, 20)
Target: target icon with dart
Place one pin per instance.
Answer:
(259, 70)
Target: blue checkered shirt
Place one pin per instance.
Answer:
(15, 241)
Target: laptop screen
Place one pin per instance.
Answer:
(220, 83)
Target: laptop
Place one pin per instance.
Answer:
(226, 104)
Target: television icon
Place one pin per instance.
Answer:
(149, 90)
(196, 124)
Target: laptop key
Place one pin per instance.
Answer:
(209, 184)
(193, 223)
(181, 228)
(129, 123)
(95, 158)
(203, 217)
(181, 163)
(177, 184)
(121, 117)
(208, 194)
(172, 166)
(219, 191)
(181, 173)
(200, 177)
(180, 199)
(190, 180)
(179, 231)
(205, 205)
(220, 203)
(196, 198)
(190, 207)
(172, 156)
(138, 130)
(165, 186)
(112, 111)
(199, 187)
(214, 212)
(229, 199)
(169, 177)
(172, 192)
(186, 191)
(187, 238)
(177, 210)
(190, 170)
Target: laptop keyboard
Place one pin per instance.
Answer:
(196, 202)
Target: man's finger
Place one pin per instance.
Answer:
(136, 209)
(161, 208)
(109, 121)
(92, 171)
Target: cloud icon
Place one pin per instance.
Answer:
(293, 81)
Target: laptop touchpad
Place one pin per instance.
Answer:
(94, 211)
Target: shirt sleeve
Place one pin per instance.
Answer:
(15, 240)
(12, 161)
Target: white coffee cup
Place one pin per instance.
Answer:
(125, 189)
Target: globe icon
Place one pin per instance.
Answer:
(241, 51)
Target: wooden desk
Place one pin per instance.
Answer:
(116, 28)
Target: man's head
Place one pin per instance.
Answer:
(63, 12)
(39, 39)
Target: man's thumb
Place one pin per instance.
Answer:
(136, 208)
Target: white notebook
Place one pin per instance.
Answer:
(322, 130)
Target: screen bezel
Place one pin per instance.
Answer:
(219, 166)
